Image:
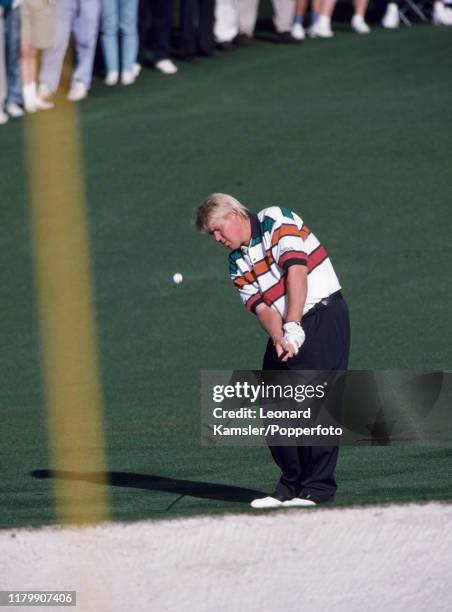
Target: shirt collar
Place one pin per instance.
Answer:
(256, 232)
(255, 227)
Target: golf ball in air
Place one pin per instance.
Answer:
(177, 278)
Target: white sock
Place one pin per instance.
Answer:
(29, 94)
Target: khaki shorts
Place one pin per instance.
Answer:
(38, 23)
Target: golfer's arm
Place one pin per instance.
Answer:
(297, 289)
(270, 320)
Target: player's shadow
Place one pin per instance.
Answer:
(205, 490)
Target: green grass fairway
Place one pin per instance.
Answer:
(353, 133)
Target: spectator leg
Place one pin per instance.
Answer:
(283, 12)
(12, 36)
(187, 26)
(360, 7)
(162, 13)
(2, 63)
(144, 27)
(226, 21)
(128, 24)
(52, 58)
(86, 30)
(327, 7)
(109, 35)
(206, 23)
(247, 10)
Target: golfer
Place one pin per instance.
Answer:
(285, 277)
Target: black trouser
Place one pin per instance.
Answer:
(197, 22)
(155, 28)
(310, 469)
(382, 5)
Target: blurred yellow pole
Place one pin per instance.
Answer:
(66, 312)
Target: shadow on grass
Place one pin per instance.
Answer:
(204, 490)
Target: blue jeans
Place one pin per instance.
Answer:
(2, 63)
(120, 16)
(12, 59)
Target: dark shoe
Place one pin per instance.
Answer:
(287, 38)
(185, 57)
(226, 46)
(243, 40)
(203, 53)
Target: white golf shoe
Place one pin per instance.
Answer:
(166, 66)
(321, 28)
(127, 77)
(359, 25)
(112, 78)
(299, 502)
(14, 110)
(441, 15)
(391, 19)
(77, 92)
(266, 503)
(298, 32)
(43, 104)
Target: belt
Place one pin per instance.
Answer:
(337, 295)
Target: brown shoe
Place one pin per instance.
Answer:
(243, 40)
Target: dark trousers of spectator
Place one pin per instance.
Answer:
(197, 22)
(382, 5)
(310, 469)
(154, 25)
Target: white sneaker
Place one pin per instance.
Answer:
(3, 118)
(298, 502)
(297, 31)
(14, 110)
(441, 15)
(321, 28)
(136, 69)
(391, 19)
(263, 503)
(77, 92)
(127, 77)
(32, 100)
(30, 106)
(42, 104)
(43, 91)
(359, 25)
(112, 78)
(166, 66)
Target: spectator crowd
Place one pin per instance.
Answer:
(35, 34)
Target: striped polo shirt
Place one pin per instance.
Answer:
(280, 239)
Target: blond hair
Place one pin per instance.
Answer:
(216, 206)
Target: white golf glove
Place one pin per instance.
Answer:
(294, 333)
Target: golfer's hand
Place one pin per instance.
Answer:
(294, 335)
(284, 349)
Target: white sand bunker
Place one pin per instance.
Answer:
(372, 559)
